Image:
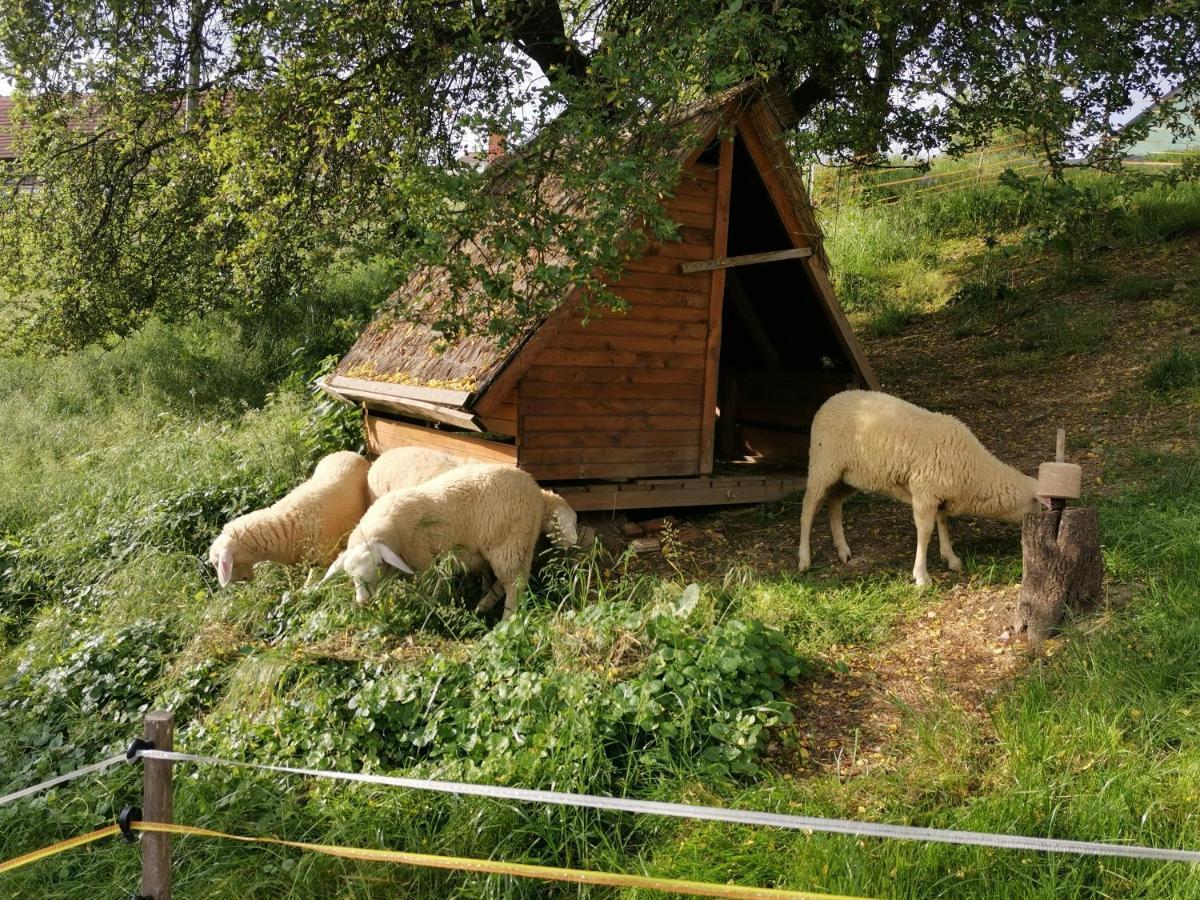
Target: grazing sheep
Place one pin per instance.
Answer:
(309, 524)
(488, 515)
(869, 441)
(404, 467)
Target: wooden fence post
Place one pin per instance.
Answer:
(1063, 570)
(156, 807)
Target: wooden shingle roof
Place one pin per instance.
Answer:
(402, 352)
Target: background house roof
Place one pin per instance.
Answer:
(1160, 139)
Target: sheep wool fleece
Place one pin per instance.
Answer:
(488, 512)
(405, 467)
(309, 524)
(870, 441)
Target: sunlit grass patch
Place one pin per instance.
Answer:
(1178, 370)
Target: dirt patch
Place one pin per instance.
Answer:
(951, 652)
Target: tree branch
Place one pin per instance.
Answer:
(814, 89)
(538, 30)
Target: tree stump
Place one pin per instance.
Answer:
(1063, 570)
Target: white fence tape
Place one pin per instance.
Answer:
(715, 813)
(62, 779)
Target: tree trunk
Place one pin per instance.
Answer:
(1063, 570)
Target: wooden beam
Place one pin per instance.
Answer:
(716, 300)
(576, 471)
(668, 493)
(749, 259)
(383, 434)
(417, 409)
(342, 384)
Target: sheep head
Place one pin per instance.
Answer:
(364, 564)
(1029, 501)
(561, 521)
(223, 557)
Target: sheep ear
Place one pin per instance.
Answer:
(225, 566)
(1045, 501)
(393, 559)
(334, 568)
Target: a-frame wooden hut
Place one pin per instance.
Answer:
(732, 340)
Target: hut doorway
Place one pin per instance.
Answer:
(780, 355)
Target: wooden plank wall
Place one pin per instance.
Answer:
(384, 433)
(622, 397)
(501, 417)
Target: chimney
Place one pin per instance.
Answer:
(496, 144)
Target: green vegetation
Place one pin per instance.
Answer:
(120, 464)
(963, 246)
(215, 160)
(1177, 371)
(1101, 740)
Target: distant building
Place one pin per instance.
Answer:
(480, 160)
(8, 153)
(1160, 140)
(9, 156)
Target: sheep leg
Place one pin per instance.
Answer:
(491, 593)
(924, 515)
(814, 496)
(512, 595)
(487, 601)
(511, 568)
(514, 587)
(837, 496)
(947, 551)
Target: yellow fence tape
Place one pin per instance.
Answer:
(456, 863)
(519, 870)
(54, 849)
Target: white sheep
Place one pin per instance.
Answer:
(869, 441)
(404, 467)
(309, 524)
(488, 515)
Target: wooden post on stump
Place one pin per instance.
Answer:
(156, 807)
(1060, 552)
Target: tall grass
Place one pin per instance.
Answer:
(891, 259)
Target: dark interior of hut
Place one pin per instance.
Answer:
(780, 356)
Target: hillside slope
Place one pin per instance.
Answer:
(843, 692)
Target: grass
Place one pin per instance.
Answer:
(894, 262)
(120, 465)
(1099, 742)
(1142, 287)
(1179, 370)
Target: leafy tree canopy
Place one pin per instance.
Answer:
(215, 154)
